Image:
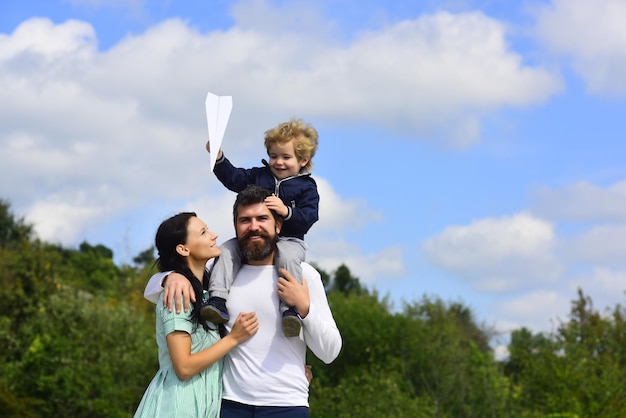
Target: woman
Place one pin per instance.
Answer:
(189, 380)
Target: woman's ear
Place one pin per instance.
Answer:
(182, 250)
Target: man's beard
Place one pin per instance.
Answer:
(257, 250)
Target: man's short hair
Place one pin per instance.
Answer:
(251, 195)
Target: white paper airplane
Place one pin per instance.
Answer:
(218, 110)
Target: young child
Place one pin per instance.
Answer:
(291, 147)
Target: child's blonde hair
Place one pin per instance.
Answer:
(304, 139)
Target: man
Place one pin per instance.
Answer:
(264, 376)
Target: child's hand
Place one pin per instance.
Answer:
(246, 325)
(274, 203)
(208, 148)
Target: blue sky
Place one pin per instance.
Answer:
(470, 150)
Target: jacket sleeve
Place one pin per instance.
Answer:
(233, 178)
(306, 210)
(154, 286)
(321, 334)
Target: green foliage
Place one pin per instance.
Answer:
(76, 335)
(90, 267)
(87, 357)
(430, 360)
(12, 230)
(77, 339)
(145, 258)
(344, 282)
(367, 393)
(447, 357)
(577, 370)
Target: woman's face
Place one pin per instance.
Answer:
(201, 242)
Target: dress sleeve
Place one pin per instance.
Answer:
(173, 321)
(320, 330)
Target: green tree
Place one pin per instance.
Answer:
(77, 339)
(374, 392)
(432, 359)
(87, 357)
(445, 356)
(145, 258)
(76, 335)
(90, 268)
(576, 371)
(343, 281)
(12, 229)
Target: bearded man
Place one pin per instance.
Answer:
(265, 375)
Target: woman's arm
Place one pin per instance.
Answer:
(187, 364)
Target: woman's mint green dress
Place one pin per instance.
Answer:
(167, 395)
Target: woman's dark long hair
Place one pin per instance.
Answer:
(172, 232)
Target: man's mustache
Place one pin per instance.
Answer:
(261, 234)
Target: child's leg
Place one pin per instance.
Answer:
(224, 268)
(221, 278)
(291, 253)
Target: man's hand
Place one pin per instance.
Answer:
(177, 290)
(274, 203)
(294, 293)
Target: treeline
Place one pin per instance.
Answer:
(77, 340)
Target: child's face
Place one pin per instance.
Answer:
(283, 161)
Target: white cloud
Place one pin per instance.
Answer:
(385, 263)
(338, 214)
(216, 209)
(593, 34)
(543, 310)
(606, 287)
(497, 255)
(62, 222)
(539, 311)
(583, 201)
(132, 119)
(329, 249)
(39, 39)
(501, 352)
(600, 244)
